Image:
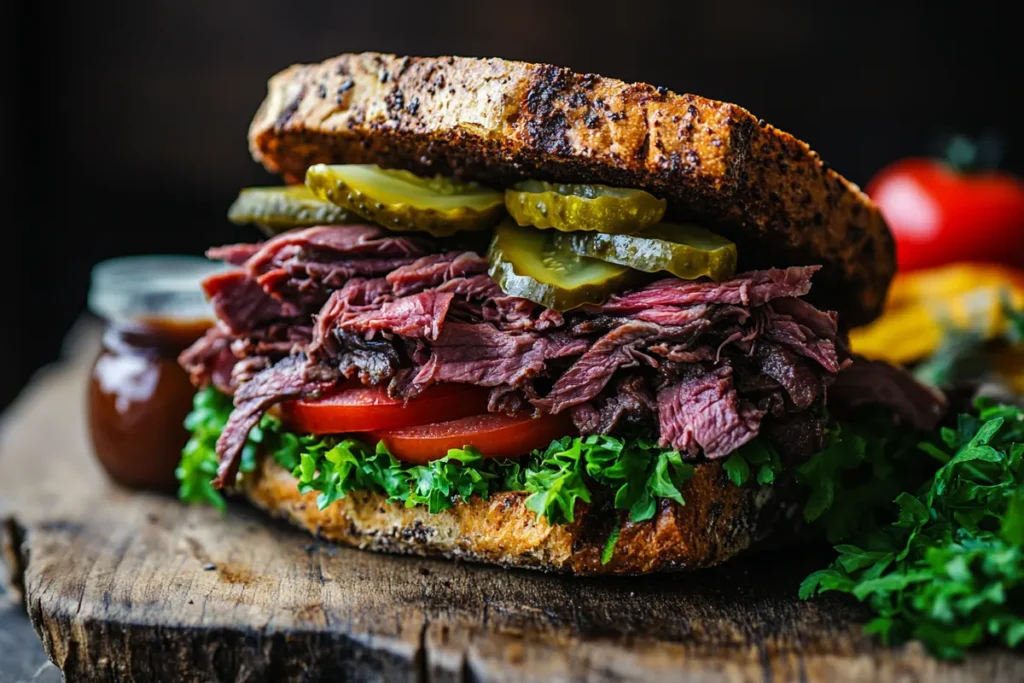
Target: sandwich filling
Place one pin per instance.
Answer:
(697, 368)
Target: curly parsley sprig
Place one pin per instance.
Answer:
(948, 567)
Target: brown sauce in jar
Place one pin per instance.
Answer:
(139, 397)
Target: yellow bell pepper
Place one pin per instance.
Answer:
(923, 304)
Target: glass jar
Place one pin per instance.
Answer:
(154, 308)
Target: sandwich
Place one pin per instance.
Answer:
(519, 315)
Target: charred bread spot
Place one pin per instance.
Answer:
(289, 110)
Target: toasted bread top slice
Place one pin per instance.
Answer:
(499, 121)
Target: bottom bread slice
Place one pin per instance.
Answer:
(718, 521)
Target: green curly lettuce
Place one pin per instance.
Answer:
(636, 471)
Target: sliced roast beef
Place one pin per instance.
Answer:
(673, 316)
(473, 287)
(275, 341)
(210, 360)
(373, 361)
(431, 271)
(782, 365)
(508, 400)
(483, 355)
(286, 379)
(787, 331)
(588, 376)
(234, 254)
(241, 304)
(684, 352)
(702, 364)
(359, 295)
(706, 412)
(868, 382)
(308, 284)
(755, 288)
(513, 313)
(302, 267)
(629, 407)
(824, 324)
(417, 316)
(338, 241)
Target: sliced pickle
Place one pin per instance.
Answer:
(276, 209)
(527, 263)
(686, 251)
(583, 207)
(402, 201)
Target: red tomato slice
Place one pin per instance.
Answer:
(365, 409)
(494, 435)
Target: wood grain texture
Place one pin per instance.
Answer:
(124, 586)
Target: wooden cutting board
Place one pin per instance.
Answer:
(126, 586)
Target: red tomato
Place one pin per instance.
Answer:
(494, 435)
(939, 215)
(365, 409)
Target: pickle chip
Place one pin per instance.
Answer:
(276, 209)
(527, 263)
(686, 251)
(400, 200)
(583, 207)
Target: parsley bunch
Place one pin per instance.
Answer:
(948, 567)
(757, 455)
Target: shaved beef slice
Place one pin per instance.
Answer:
(302, 267)
(750, 289)
(286, 379)
(418, 316)
(870, 382)
(241, 304)
(210, 360)
(780, 364)
(785, 330)
(431, 271)
(588, 376)
(706, 411)
(483, 355)
(630, 405)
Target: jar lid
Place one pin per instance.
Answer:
(131, 288)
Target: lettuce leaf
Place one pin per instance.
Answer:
(635, 472)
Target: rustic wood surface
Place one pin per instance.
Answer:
(123, 586)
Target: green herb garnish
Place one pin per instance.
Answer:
(947, 568)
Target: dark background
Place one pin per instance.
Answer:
(124, 124)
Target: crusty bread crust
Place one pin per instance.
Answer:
(718, 521)
(499, 121)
